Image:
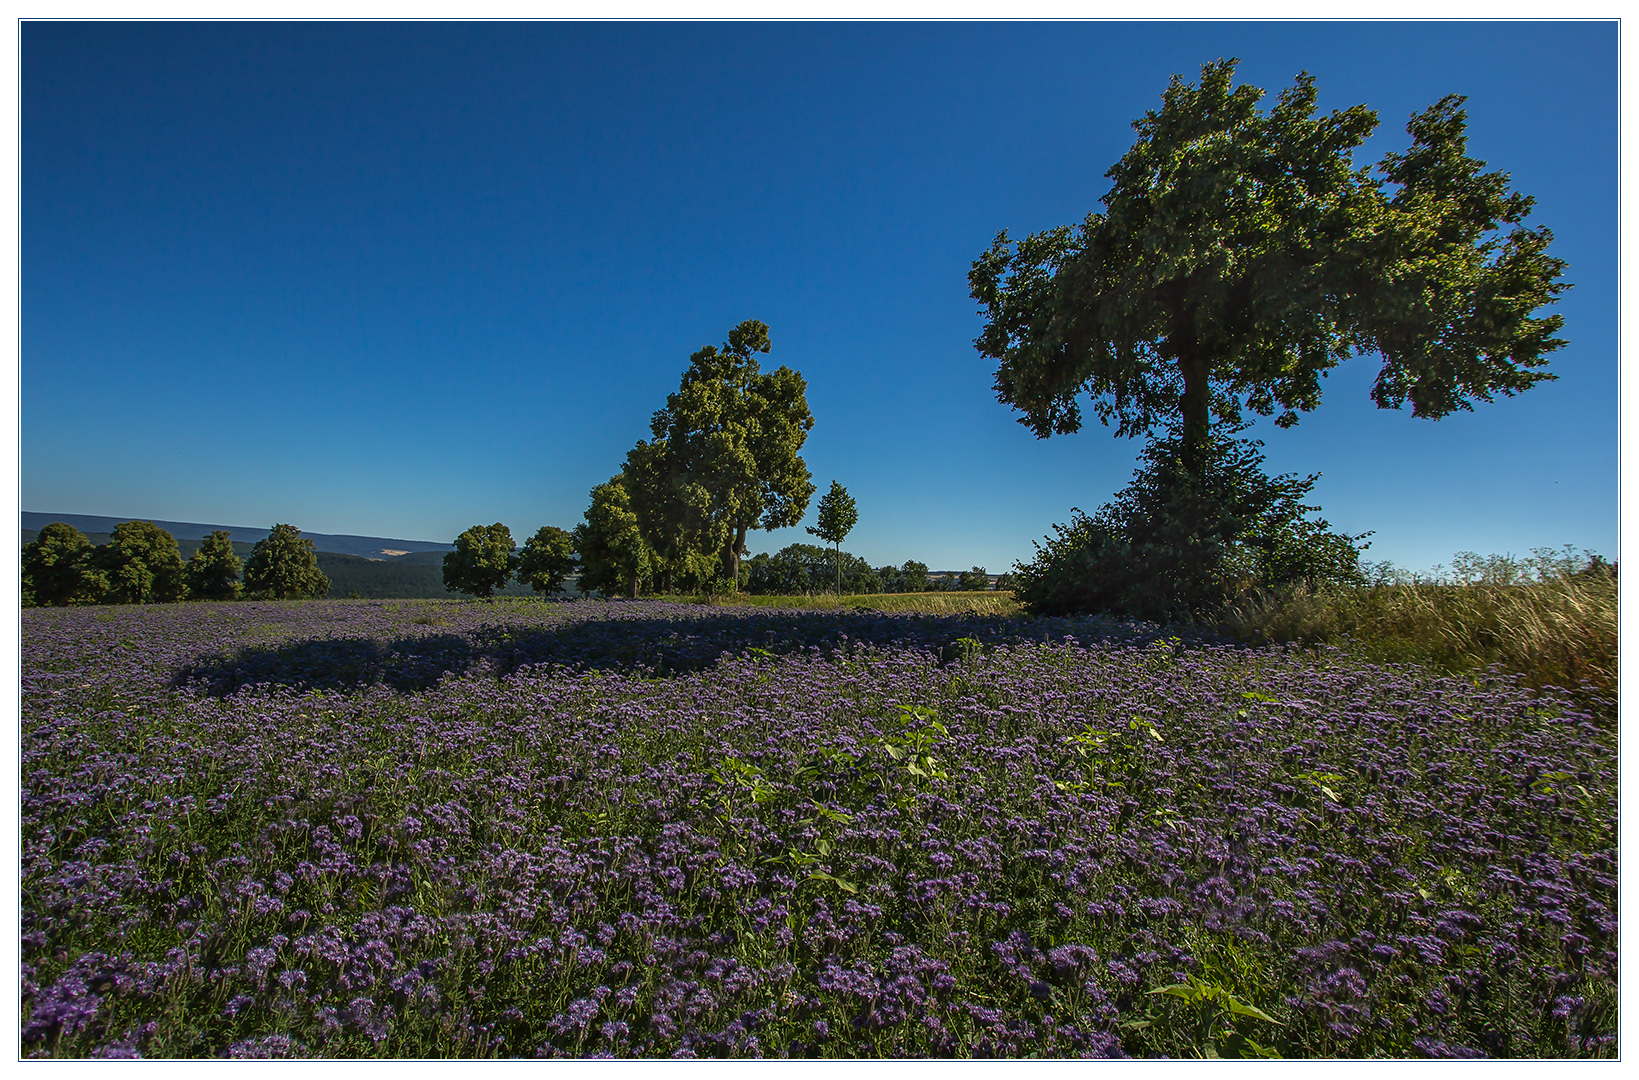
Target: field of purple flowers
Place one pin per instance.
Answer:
(533, 829)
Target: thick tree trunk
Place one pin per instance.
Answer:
(839, 567)
(731, 557)
(1196, 407)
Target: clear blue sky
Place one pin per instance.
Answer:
(399, 279)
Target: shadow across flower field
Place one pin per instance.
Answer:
(668, 640)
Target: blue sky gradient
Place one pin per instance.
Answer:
(399, 279)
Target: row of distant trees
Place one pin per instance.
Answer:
(485, 559)
(724, 459)
(141, 564)
(805, 568)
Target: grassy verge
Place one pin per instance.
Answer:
(1541, 618)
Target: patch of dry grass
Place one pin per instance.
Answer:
(1551, 619)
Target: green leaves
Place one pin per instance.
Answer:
(912, 746)
(725, 456)
(1240, 255)
(283, 567)
(213, 569)
(547, 559)
(1197, 991)
(1321, 781)
(482, 561)
(1216, 1035)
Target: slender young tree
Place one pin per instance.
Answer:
(837, 517)
(1240, 255)
(284, 566)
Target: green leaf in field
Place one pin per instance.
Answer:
(1240, 1008)
(845, 886)
(1252, 695)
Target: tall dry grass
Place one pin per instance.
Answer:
(1550, 618)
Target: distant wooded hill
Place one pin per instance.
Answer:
(369, 547)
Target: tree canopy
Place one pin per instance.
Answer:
(283, 566)
(726, 453)
(1240, 255)
(615, 558)
(482, 561)
(213, 570)
(59, 568)
(547, 559)
(837, 517)
(142, 565)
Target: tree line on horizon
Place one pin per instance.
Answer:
(141, 564)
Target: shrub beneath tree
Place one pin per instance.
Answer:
(1173, 548)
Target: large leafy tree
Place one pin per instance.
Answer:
(1240, 255)
(213, 570)
(682, 547)
(483, 560)
(615, 559)
(837, 517)
(726, 456)
(547, 559)
(284, 567)
(142, 564)
(59, 568)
